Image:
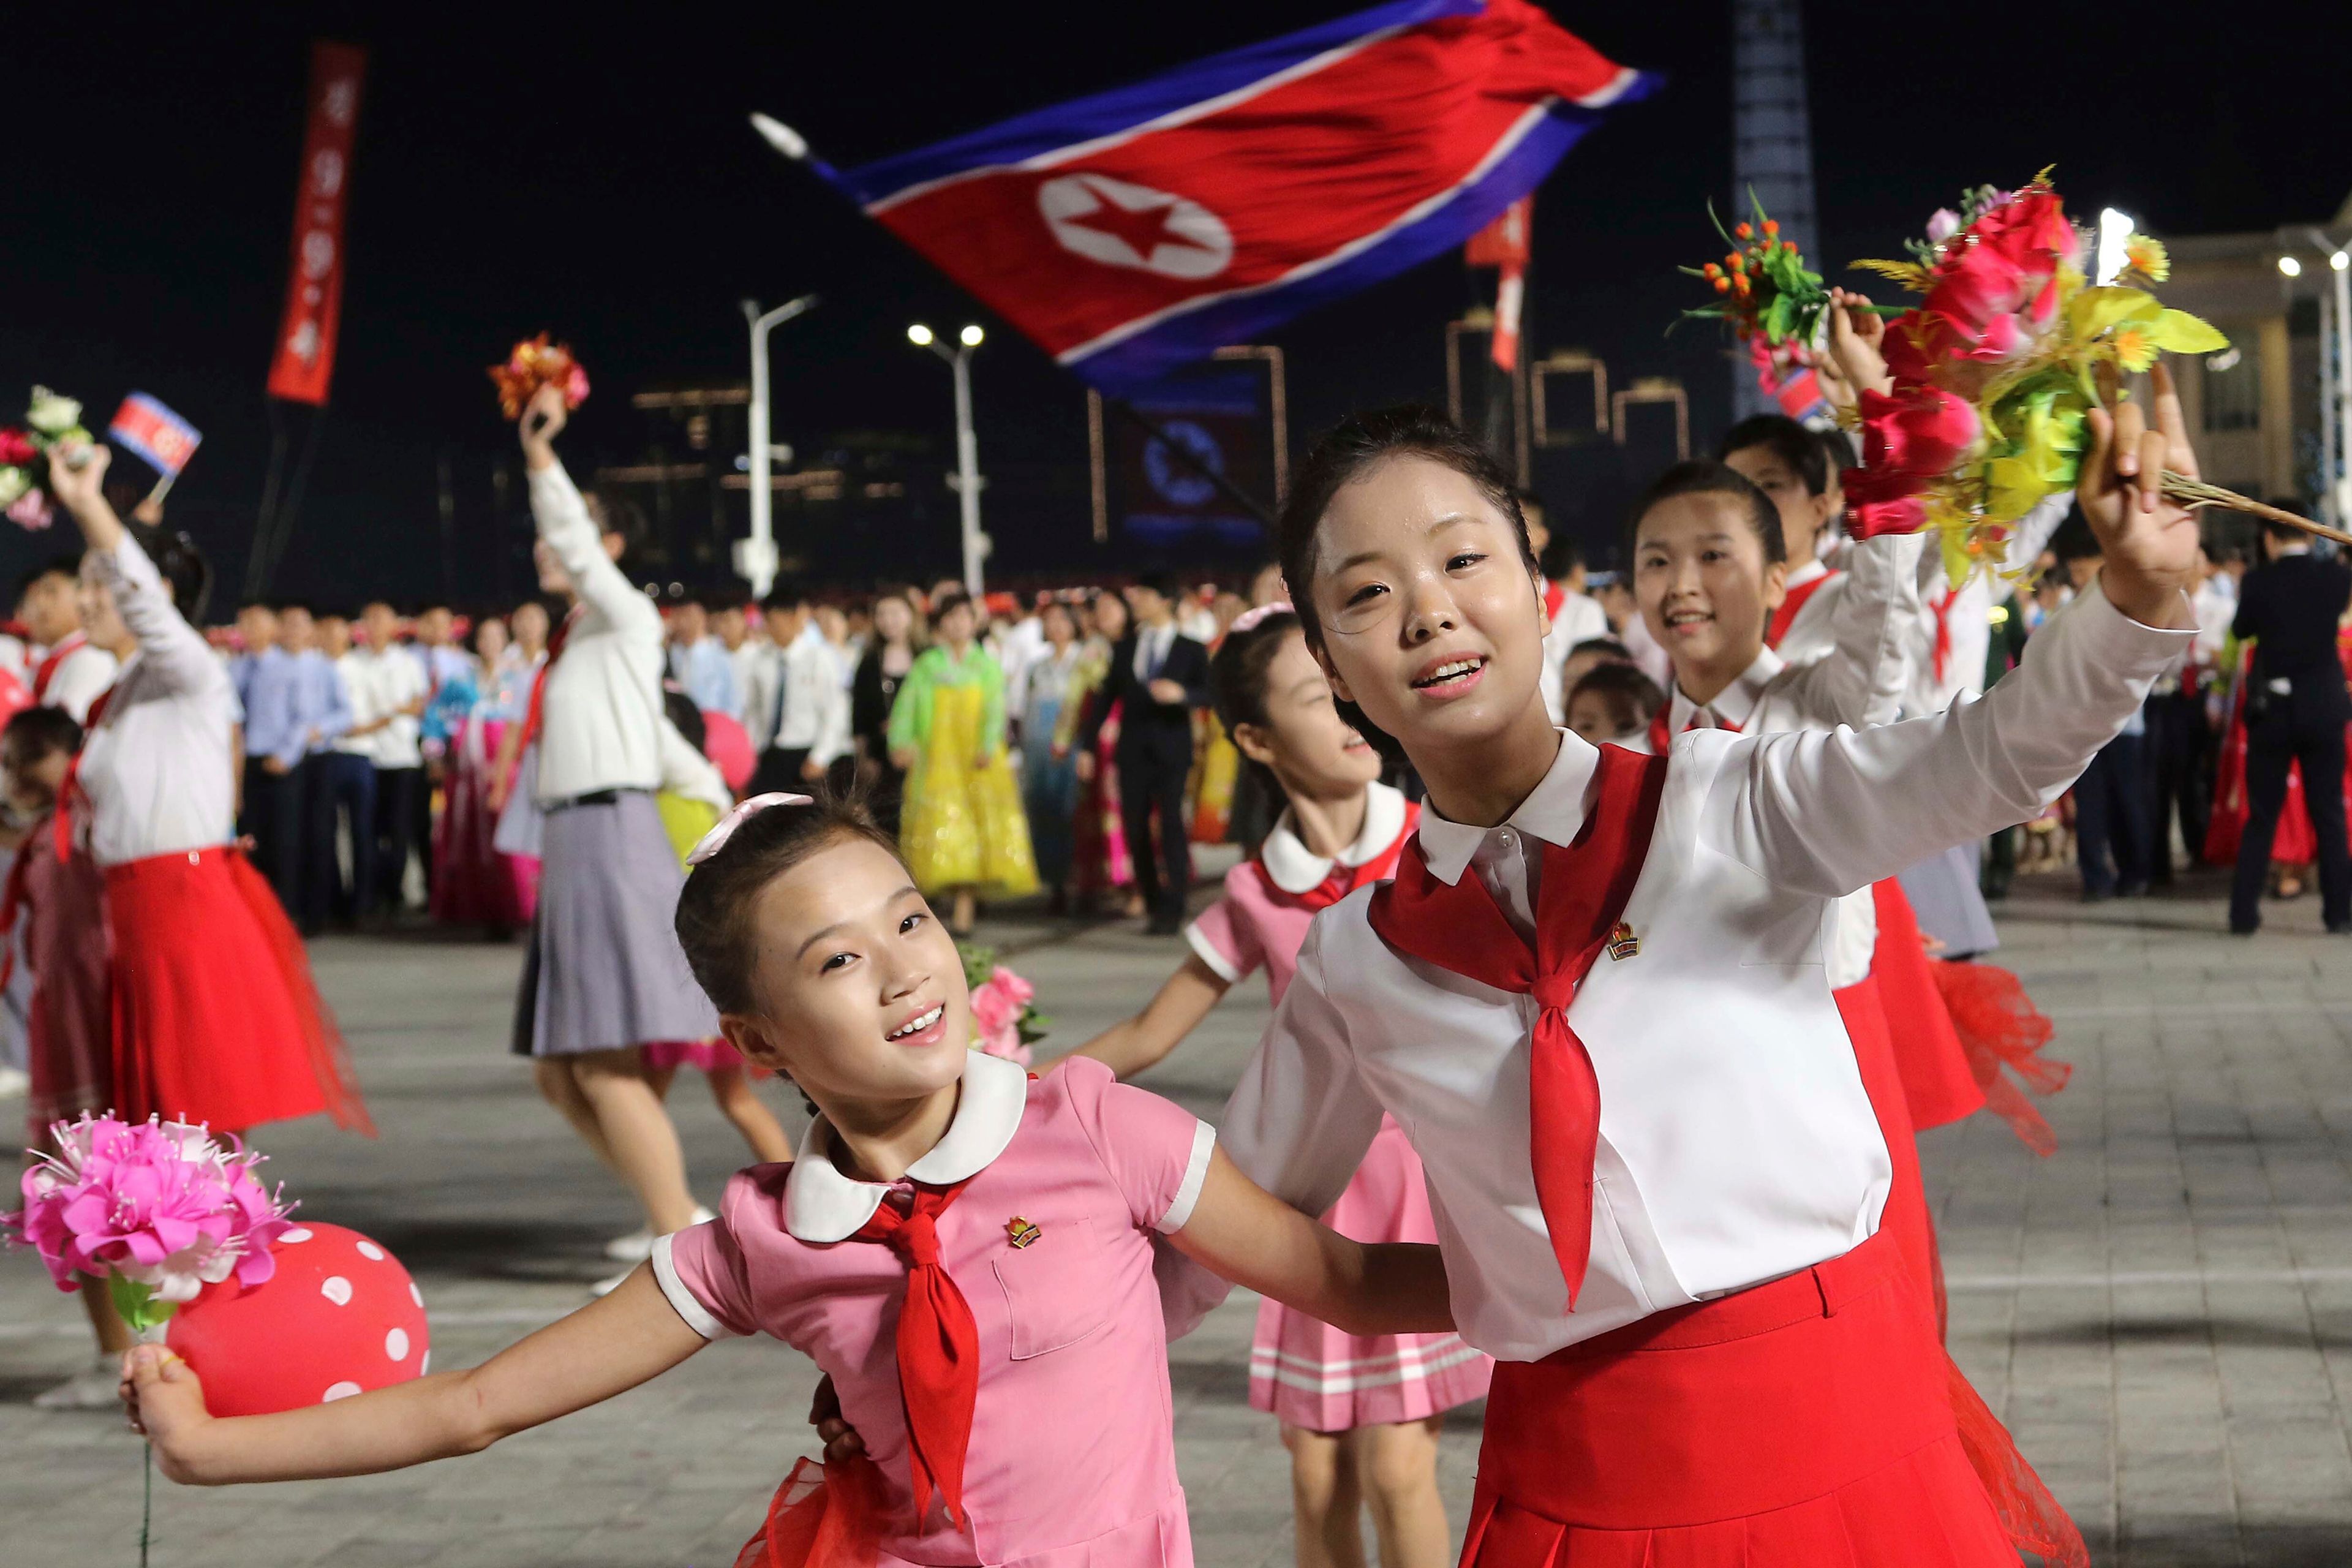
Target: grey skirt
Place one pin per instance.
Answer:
(605, 971)
(1943, 893)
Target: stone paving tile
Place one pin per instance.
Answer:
(2162, 1310)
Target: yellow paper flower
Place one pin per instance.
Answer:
(2135, 347)
(2145, 255)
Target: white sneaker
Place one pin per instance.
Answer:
(94, 1389)
(14, 1082)
(638, 1245)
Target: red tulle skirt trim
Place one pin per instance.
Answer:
(1937, 1083)
(2000, 1028)
(824, 1516)
(2030, 1517)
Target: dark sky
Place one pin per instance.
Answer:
(520, 168)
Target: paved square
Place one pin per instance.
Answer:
(2163, 1311)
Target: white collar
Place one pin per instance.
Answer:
(1553, 812)
(1736, 704)
(1800, 575)
(1296, 868)
(821, 1204)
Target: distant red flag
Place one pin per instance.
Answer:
(1506, 244)
(304, 361)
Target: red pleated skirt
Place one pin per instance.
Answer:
(1802, 1423)
(215, 1017)
(1937, 1084)
(1904, 1224)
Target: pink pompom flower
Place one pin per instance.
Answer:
(161, 1206)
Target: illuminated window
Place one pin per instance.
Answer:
(2233, 387)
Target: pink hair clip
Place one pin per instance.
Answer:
(715, 840)
(1248, 619)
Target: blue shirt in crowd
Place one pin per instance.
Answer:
(707, 675)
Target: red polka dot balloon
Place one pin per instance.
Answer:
(341, 1316)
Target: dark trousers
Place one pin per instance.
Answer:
(273, 816)
(343, 793)
(2179, 782)
(397, 794)
(420, 827)
(2274, 744)
(1148, 783)
(780, 770)
(2111, 830)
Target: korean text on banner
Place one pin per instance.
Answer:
(305, 358)
(151, 432)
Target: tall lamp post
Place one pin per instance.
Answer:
(755, 558)
(966, 482)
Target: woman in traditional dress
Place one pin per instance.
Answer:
(1049, 775)
(1099, 834)
(961, 828)
(473, 882)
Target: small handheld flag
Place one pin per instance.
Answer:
(1141, 228)
(153, 433)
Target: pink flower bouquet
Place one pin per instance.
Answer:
(1004, 1024)
(157, 1210)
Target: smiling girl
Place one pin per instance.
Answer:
(1595, 998)
(966, 1251)
(1360, 1412)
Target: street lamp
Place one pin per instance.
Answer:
(2114, 234)
(2335, 322)
(966, 480)
(755, 558)
(2290, 267)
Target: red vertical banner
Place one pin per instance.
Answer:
(305, 358)
(1504, 244)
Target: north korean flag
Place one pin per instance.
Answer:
(1134, 230)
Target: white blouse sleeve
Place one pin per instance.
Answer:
(1862, 679)
(1828, 813)
(168, 645)
(564, 523)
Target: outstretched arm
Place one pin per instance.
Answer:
(1245, 1233)
(1128, 1046)
(606, 1348)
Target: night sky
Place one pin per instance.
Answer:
(596, 177)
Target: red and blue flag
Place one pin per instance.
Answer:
(155, 433)
(1134, 230)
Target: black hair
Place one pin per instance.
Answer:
(788, 593)
(32, 733)
(1698, 477)
(1797, 447)
(953, 599)
(2073, 539)
(1609, 646)
(1352, 448)
(1561, 557)
(66, 566)
(615, 513)
(1633, 697)
(1237, 679)
(715, 912)
(1837, 450)
(683, 715)
(1162, 581)
(2284, 532)
(181, 565)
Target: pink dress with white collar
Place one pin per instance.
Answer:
(1302, 1370)
(1072, 1461)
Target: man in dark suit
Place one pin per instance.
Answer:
(2296, 707)
(1159, 676)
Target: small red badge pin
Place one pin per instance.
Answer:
(1622, 942)
(1021, 1232)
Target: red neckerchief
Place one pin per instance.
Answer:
(938, 1349)
(1554, 598)
(46, 670)
(1585, 887)
(1941, 609)
(1662, 738)
(1786, 616)
(530, 719)
(1343, 879)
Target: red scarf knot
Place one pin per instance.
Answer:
(938, 1347)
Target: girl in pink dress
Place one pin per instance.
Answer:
(966, 1252)
(1360, 1414)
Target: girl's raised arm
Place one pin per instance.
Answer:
(1243, 1233)
(606, 1348)
(1131, 1044)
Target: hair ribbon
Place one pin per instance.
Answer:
(1249, 619)
(713, 842)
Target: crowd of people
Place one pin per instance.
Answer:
(1748, 776)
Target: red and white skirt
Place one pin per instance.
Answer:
(1802, 1423)
(215, 1017)
(1311, 1375)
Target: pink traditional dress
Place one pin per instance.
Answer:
(1036, 1212)
(1303, 1371)
(472, 881)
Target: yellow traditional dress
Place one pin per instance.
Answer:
(963, 826)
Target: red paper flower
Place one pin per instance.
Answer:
(1909, 440)
(15, 448)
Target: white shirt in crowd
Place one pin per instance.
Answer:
(381, 682)
(1736, 1144)
(157, 769)
(80, 676)
(816, 715)
(1021, 646)
(1151, 646)
(1581, 619)
(754, 656)
(601, 708)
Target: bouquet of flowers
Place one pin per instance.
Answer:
(535, 363)
(49, 420)
(1997, 367)
(156, 1210)
(1004, 1022)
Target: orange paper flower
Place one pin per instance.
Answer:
(533, 365)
